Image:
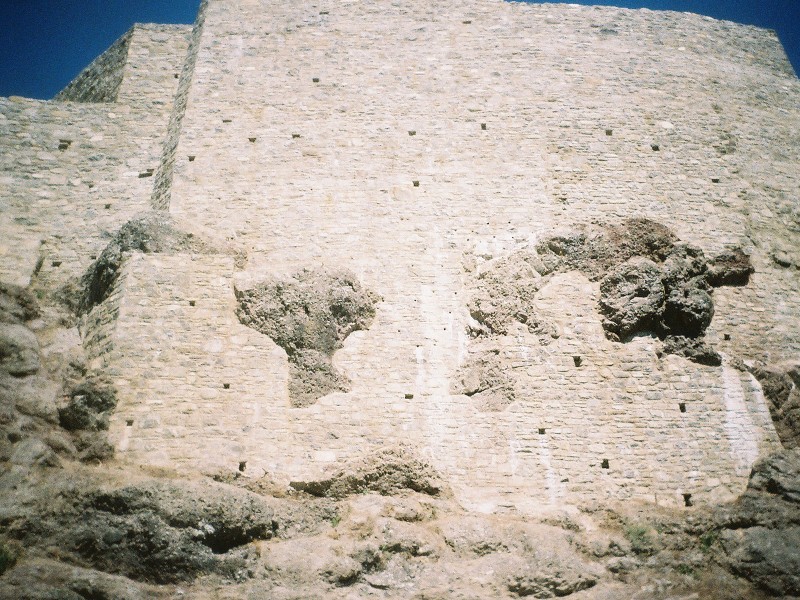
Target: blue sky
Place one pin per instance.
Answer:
(45, 43)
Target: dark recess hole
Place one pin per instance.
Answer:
(295, 136)
(252, 140)
(577, 360)
(107, 206)
(412, 133)
(687, 500)
(146, 173)
(315, 80)
(191, 158)
(56, 263)
(227, 120)
(409, 396)
(192, 303)
(175, 75)
(129, 423)
(609, 132)
(715, 180)
(483, 126)
(726, 337)
(542, 431)
(64, 144)
(242, 466)
(655, 147)
(226, 386)
(467, 22)
(682, 406)
(93, 256)
(416, 183)
(323, 12)
(604, 464)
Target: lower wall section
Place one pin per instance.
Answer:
(200, 391)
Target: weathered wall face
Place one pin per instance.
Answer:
(406, 141)
(71, 173)
(411, 143)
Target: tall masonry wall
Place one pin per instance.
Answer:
(405, 141)
(74, 169)
(413, 143)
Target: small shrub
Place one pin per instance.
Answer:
(641, 539)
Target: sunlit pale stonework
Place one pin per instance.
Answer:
(446, 204)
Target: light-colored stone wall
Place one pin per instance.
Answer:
(298, 122)
(406, 141)
(71, 173)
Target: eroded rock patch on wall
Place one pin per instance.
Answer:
(309, 316)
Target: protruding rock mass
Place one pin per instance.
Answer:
(450, 298)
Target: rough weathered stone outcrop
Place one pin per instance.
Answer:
(650, 282)
(309, 316)
(781, 385)
(155, 531)
(505, 293)
(760, 533)
(388, 471)
(149, 233)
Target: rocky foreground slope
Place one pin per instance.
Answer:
(76, 525)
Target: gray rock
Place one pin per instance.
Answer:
(778, 474)
(34, 452)
(19, 350)
(17, 305)
(769, 558)
(33, 396)
(632, 298)
(388, 471)
(49, 580)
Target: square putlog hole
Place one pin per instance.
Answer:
(682, 407)
(542, 431)
(604, 464)
(687, 500)
(226, 386)
(577, 360)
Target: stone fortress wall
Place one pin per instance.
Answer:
(73, 170)
(411, 143)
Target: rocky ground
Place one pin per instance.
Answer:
(75, 524)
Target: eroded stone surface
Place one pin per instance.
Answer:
(309, 316)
